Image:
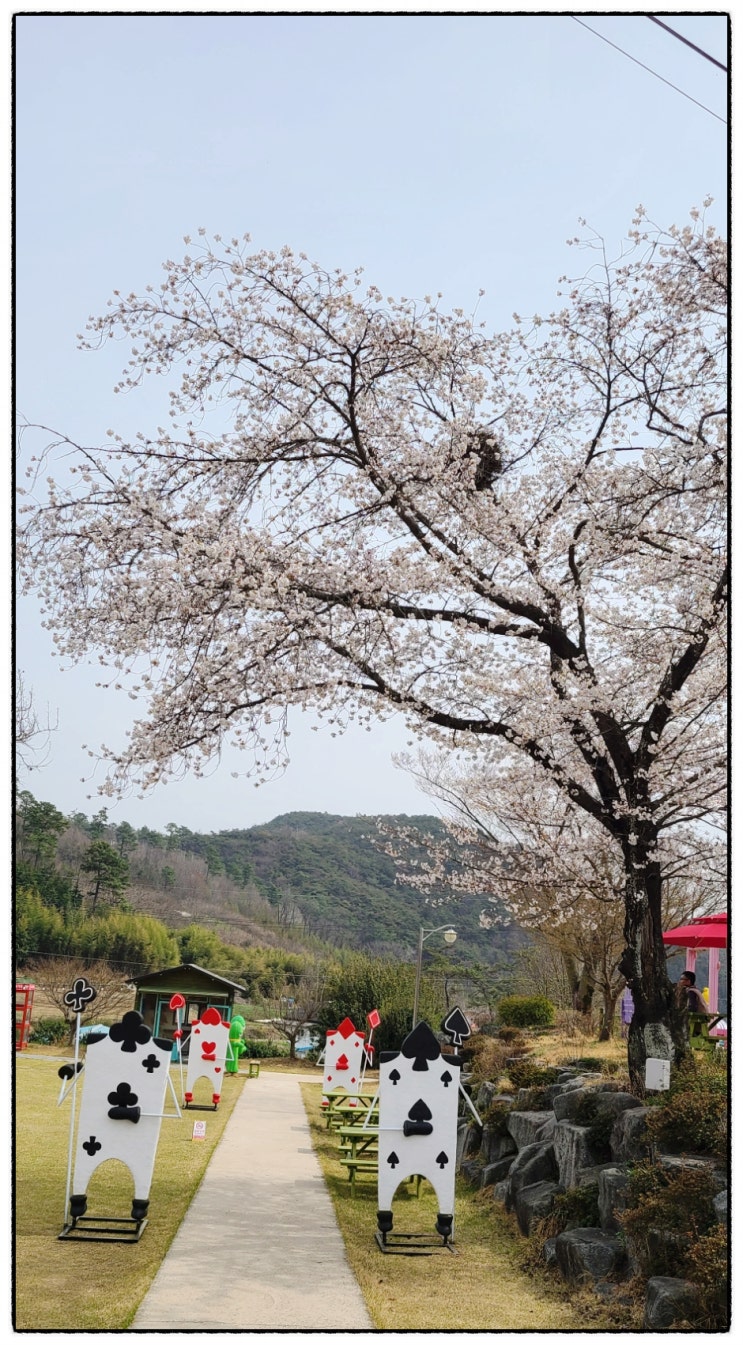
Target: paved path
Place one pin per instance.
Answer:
(259, 1248)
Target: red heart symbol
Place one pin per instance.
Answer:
(217, 1069)
(209, 1046)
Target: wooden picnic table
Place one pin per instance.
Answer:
(359, 1150)
(349, 1108)
(357, 1140)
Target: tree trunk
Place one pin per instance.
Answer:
(608, 1010)
(658, 1029)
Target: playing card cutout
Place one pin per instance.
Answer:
(207, 1053)
(344, 1058)
(417, 1123)
(121, 1109)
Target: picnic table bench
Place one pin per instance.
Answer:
(349, 1108)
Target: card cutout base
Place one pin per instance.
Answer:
(412, 1244)
(89, 1228)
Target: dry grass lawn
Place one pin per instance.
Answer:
(486, 1286)
(92, 1286)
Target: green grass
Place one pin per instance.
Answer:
(485, 1286)
(58, 1285)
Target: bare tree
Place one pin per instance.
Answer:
(295, 1007)
(56, 976)
(33, 730)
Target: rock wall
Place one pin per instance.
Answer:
(530, 1156)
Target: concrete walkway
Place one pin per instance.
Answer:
(259, 1248)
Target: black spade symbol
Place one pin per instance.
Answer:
(393, 1159)
(420, 1046)
(442, 1160)
(419, 1111)
(456, 1026)
(446, 1078)
(395, 1076)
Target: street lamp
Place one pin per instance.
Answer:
(450, 936)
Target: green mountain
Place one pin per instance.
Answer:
(329, 874)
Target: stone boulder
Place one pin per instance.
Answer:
(676, 1163)
(495, 1172)
(613, 1183)
(546, 1132)
(469, 1138)
(629, 1134)
(534, 1202)
(566, 1104)
(524, 1125)
(667, 1301)
(533, 1163)
(496, 1143)
(485, 1094)
(572, 1152)
(471, 1170)
(588, 1254)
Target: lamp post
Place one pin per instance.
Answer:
(450, 936)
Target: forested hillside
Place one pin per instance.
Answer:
(330, 874)
(304, 880)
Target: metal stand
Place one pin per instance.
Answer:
(88, 1228)
(423, 1244)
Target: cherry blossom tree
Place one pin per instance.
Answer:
(548, 866)
(365, 506)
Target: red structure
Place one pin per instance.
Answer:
(24, 1001)
(707, 932)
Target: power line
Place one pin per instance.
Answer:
(681, 38)
(648, 68)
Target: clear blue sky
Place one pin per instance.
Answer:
(438, 152)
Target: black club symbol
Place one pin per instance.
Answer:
(151, 1063)
(123, 1096)
(92, 1146)
(80, 996)
(131, 1031)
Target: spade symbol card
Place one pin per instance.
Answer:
(418, 1104)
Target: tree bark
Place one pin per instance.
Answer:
(658, 1029)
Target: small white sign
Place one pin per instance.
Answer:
(199, 1130)
(657, 1074)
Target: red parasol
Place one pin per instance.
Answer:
(709, 931)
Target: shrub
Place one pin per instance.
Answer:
(495, 1117)
(510, 1035)
(691, 1117)
(578, 1207)
(667, 1213)
(527, 1073)
(526, 1011)
(486, 1058)
(49, 1031)
(707, 1267)
(265, 1050)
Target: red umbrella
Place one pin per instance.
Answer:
(709, 931)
